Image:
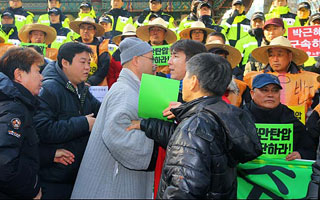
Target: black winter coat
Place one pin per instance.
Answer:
(201, 159)
(60, 121)
(302, 140)
(19, 154)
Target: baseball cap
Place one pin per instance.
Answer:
(264, 79)
(315, 16)
(85, 4)
(234, 2)
(274, 21)
(258, 15)
(55, 11)
(204, 3)
(105, 19)
(8, 13)
(304, 5)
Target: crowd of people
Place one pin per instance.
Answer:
(57, 141)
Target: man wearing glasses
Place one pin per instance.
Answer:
(89, 30)
(118, 164)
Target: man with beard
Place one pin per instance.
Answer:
(8, 29)
(253, 40)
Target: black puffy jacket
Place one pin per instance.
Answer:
(19, 154)
(61, 123)
(204, 149)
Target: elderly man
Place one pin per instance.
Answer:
(266, 108)
(201, 120)
(37, 33)
(157, 33)
(155, 9)
(118, 164)
(8, 28)
(22, 17)
(44, 19)
(66, 116)
(237, 25)
(89, 30)
(300, 87)
(272, 28)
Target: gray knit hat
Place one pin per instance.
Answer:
(131, 47)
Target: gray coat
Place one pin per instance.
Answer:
(114, 161)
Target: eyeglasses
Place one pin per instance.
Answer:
(197, 32)
(152, 59)
(89, 28)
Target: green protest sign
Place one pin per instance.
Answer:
(266, 178)
(155, 95)
(40, 45)
(161, 54)
(276, 139)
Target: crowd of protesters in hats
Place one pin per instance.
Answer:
(57, 141)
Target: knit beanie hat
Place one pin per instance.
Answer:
(131, 47)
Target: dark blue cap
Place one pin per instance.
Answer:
(264, 79)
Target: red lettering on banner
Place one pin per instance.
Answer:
(306, 38)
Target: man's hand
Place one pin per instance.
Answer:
(294, 155)
(64, 157)
(39, 195)
(135, 124)
(167, 113)
(90, 120)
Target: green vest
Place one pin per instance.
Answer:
(44, 19)
(185, 23)
(60, 40)
(289, 19)
(246, 45)
(121, 22)
(237, 30)
(21, 20)
(170, 23)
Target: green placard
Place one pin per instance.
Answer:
(155, 95)
(41, 46)
(161, 54)
(265, 178)
(276, 139)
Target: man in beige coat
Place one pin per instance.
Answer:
(119, 163)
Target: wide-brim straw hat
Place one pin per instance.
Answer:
(234, 56)
(185, 34)
(50, 32)
(75, 25)
(261, 54)
(143, 31)
(128, 30)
